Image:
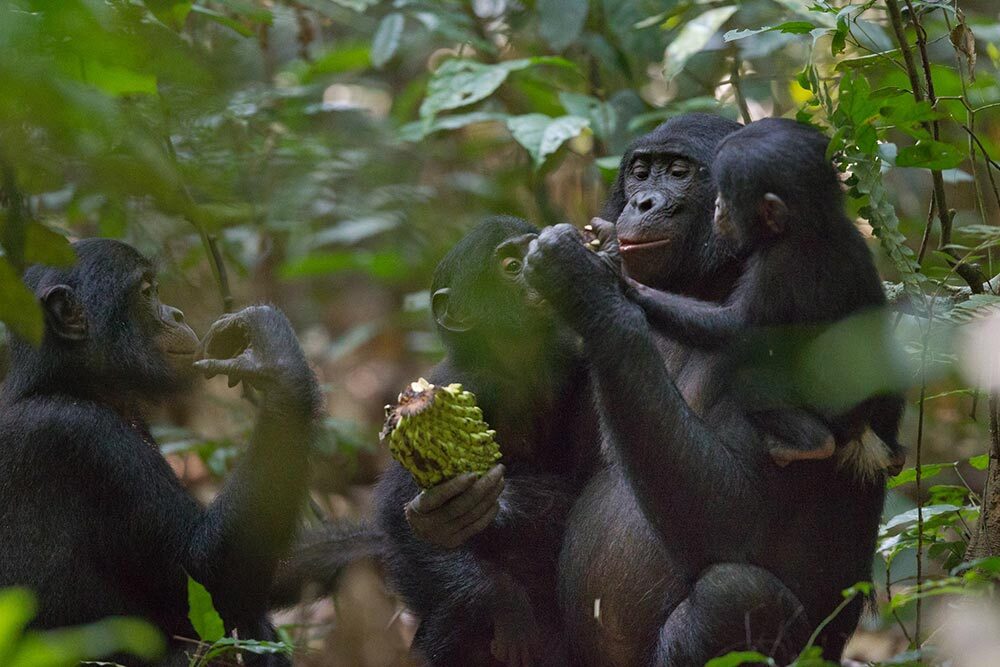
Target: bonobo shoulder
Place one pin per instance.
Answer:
(58, 422)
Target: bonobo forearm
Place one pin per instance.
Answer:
(681, 470)
(692, 322)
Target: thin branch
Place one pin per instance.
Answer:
(971, 274)
(736, 82)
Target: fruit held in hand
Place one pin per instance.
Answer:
(438, 433)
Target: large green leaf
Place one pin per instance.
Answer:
(460, 82)
(561, 21)
(790, 27)
(386, 40)
(543, 135)
(205, 619)
(19, 308)
(693, 37)
(44, 246)
(929, 154)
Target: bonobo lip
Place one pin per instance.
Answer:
(182, 353)
(628, 245)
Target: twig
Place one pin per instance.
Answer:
(736, 82)
(971, 274)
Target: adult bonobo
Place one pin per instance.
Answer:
(493, 599)
(692, 542)
(92, 517)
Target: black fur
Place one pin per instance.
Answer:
(806, 264)
(532, 386)
(92, 517)
(691, 542)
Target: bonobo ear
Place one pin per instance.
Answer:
(441, 305)
(64, 312)
(774, 212)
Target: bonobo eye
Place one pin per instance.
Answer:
(148, 289)
(511, 265)
(640, 170)
(679, 168)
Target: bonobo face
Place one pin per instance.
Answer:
(479, 297)
(171, 335)
(662, 203)
(658, 191)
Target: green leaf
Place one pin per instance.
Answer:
(19, 309)
(170, 12)
(561, 21)
(603, 116)
(44, 246)
(69, 646)
(910, 474)
(981, 462)
(737, 658)
(417, 130)
(222, 19)
(542, 135)
(17, 608)
(460, 82)
(929, 154)
(693, 37)
(386, 40)
(789, 27)
(115, 80)
(206, 621)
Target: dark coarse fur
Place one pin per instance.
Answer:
(690, 542)
(806, 264)
(532, 387)
(92, 517)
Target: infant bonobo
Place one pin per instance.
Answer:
(780, 202)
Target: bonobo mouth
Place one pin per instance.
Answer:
(628, 245)
(182, 353)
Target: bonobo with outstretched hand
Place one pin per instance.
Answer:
(92, 517)
(781, 202)
(492, 600)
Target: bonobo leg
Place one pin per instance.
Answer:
(796, 435)
(733, 607)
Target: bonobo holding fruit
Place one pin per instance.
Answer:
(492, 600)
(806, 264)
(92, 517)
(691, 542)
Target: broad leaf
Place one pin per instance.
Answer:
(543, 135)
(386, 40)
(693, 37)
(19, 308)
(202, 614)
(561, 21)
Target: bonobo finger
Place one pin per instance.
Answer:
(461, 536)
(225, 339)
(431, 499)
(241, 367)
(486, 490)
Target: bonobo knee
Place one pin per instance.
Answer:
(734, 600)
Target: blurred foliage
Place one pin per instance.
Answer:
(303, 146)
(66, 647)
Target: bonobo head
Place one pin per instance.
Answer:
(773, 179)
(107, 336)
(483, 307)
(662, 203)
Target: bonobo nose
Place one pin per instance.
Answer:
(175, 314)
(647, 201)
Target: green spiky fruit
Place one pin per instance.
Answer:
(438, 433)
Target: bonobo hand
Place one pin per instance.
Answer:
(450, 513)
(257, 346)
(570, 277)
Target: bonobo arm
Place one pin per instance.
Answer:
(241, 535)
(700, 490)
(689, 321)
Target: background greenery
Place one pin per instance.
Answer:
(323, 155)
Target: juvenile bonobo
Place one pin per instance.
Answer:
(690, 543)
(92, 517)
(805, 264)
(493, 599)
